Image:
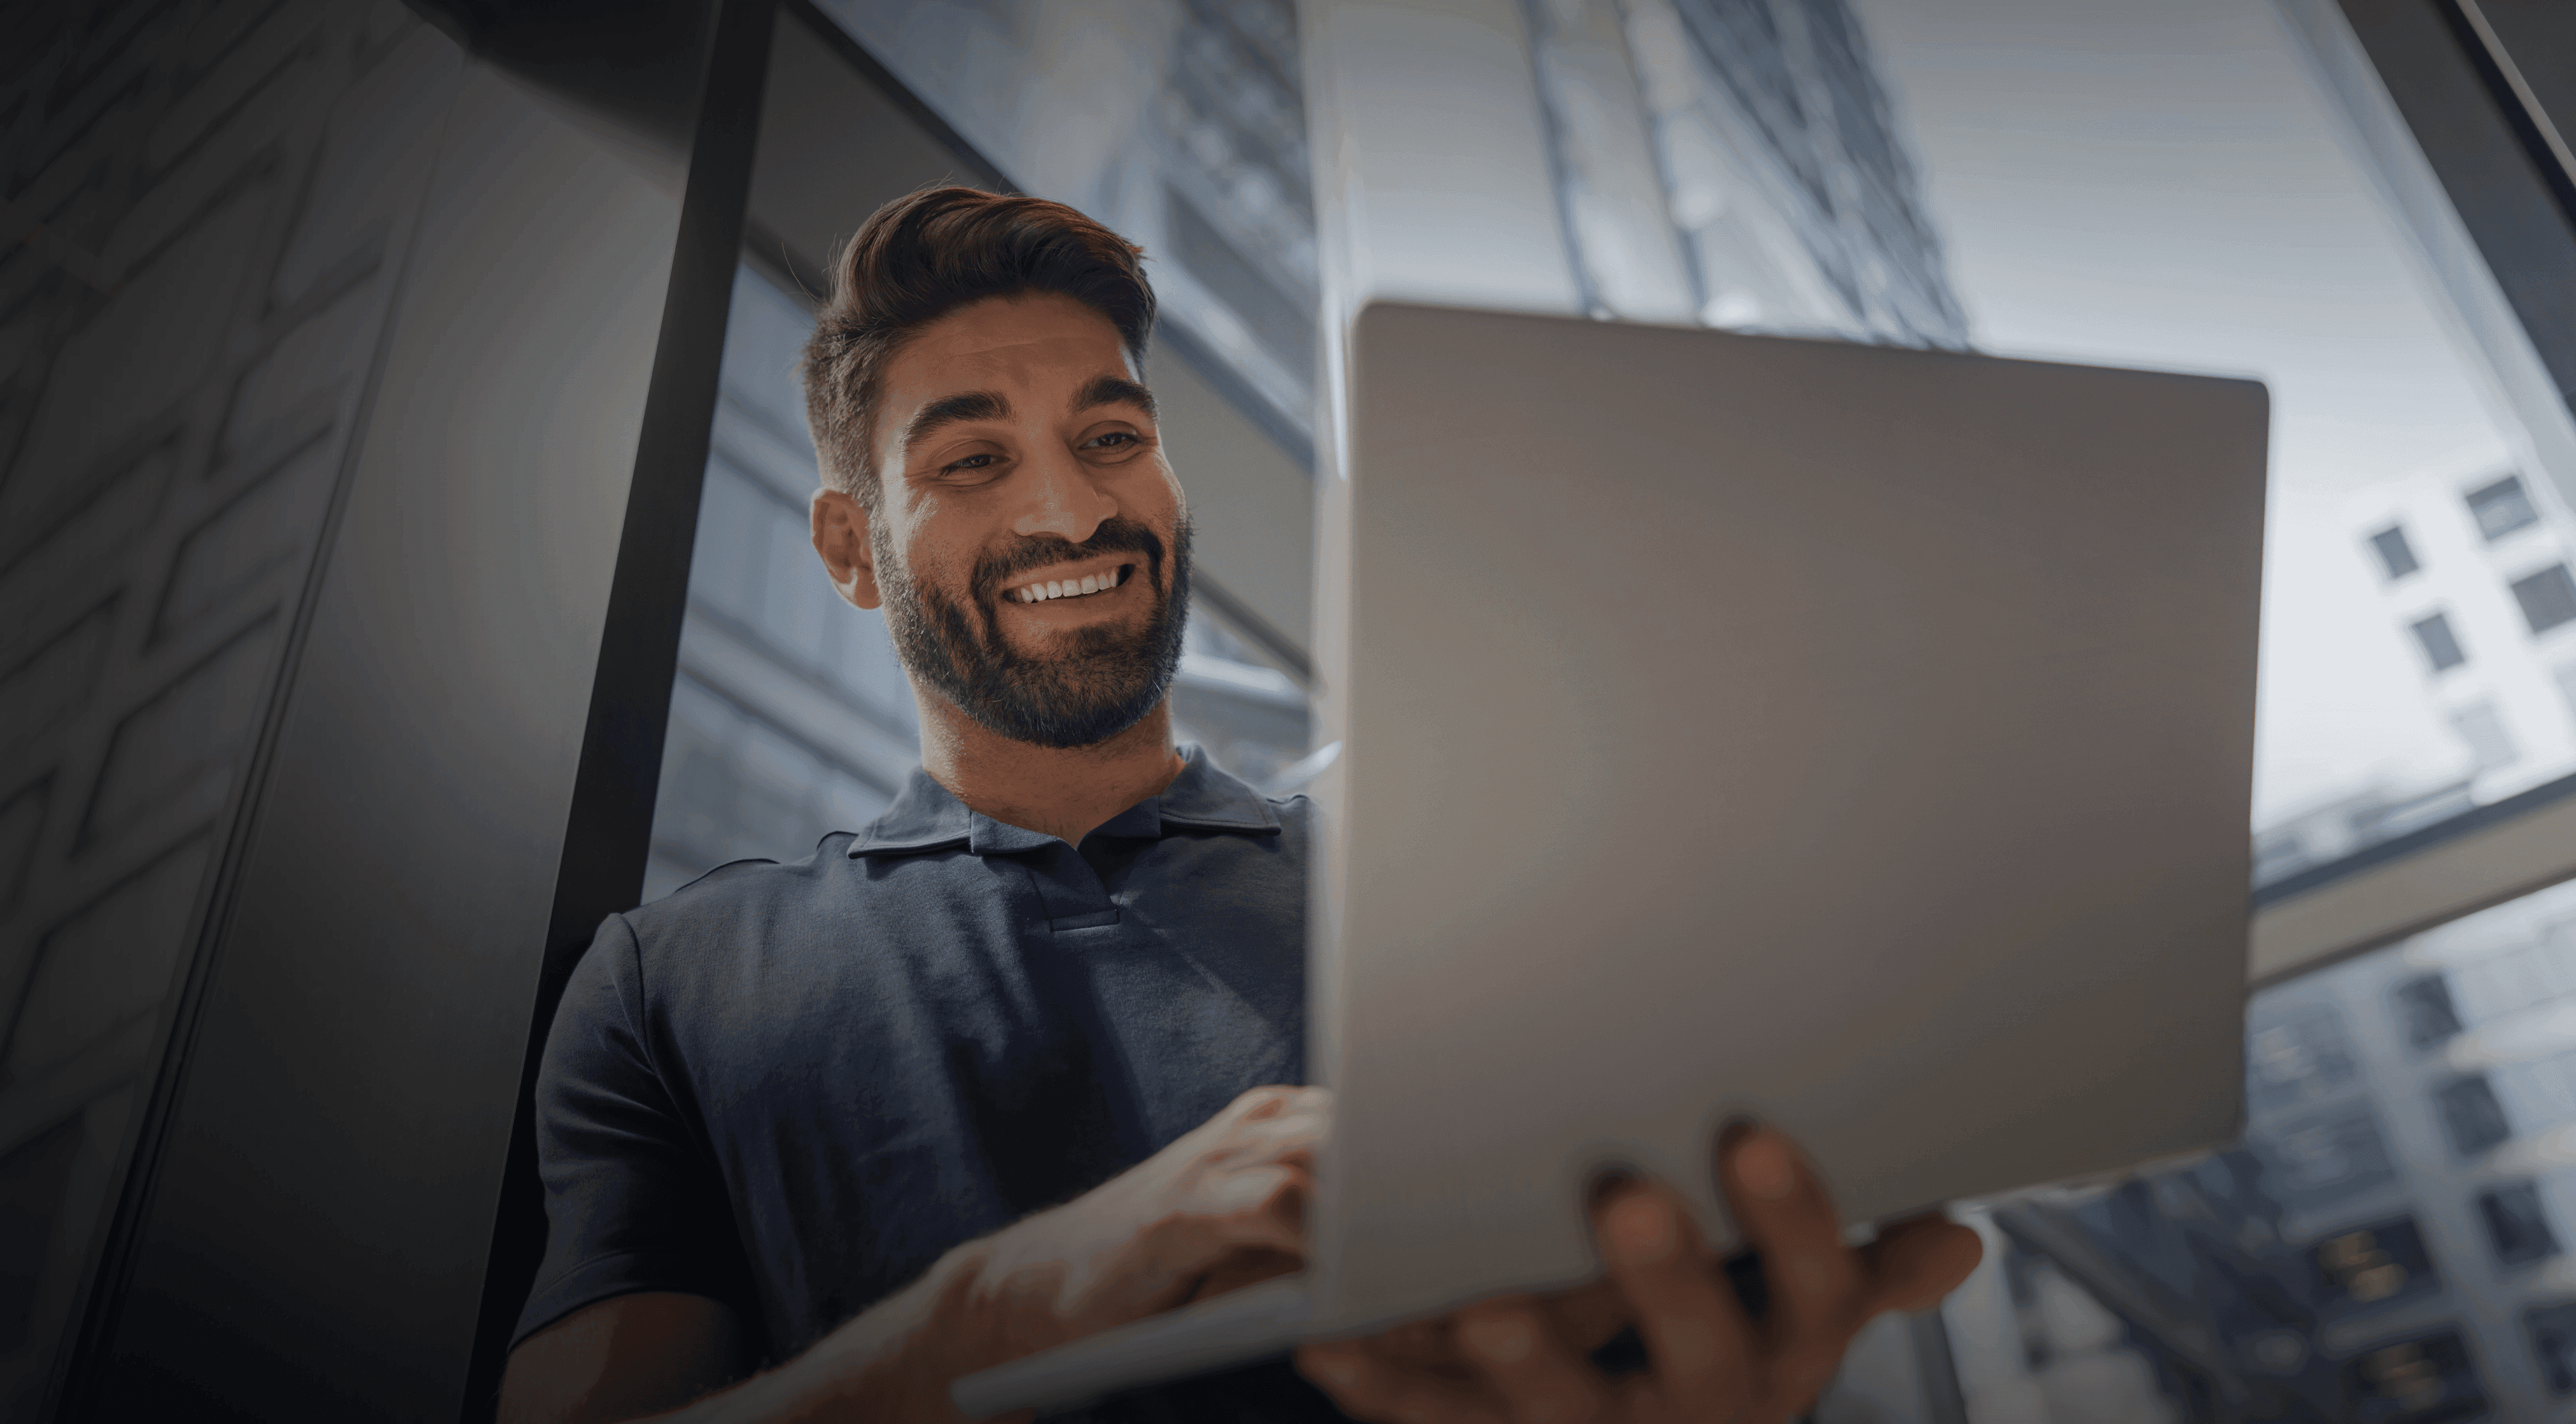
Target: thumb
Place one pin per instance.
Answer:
(1916, 1263)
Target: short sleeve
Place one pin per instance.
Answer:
(632, 1201)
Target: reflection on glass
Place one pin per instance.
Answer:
(1179, 123)
(1735, 162)
(2106, 191)
(791, 717)
(2388, 1241)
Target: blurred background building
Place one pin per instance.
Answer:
(2472, 563)
(1732, 164)
(403, 563)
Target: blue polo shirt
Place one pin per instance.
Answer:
(793, 1087)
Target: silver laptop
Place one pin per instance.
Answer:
(1856, 738)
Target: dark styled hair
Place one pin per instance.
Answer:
(923, 256)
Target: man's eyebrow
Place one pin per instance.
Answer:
(1115, 390)
(951, 410)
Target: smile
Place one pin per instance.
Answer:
(1043, 590)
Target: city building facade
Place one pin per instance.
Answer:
(2472, 561)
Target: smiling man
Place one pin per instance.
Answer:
(1019, 1060)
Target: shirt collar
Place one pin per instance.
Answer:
(926, 817)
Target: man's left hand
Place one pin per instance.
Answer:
(1525, 1360)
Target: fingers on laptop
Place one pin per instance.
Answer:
(1704, 1351)
(1259, 1205)
(1520, 1361)
(1533, 1372)
(1276, 1100)
(1501, 1362)
(1379, 1386)
(1819, 1294)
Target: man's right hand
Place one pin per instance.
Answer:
(1223, 1206)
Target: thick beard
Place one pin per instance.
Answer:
(1104, 684)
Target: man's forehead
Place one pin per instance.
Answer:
(1024, 336)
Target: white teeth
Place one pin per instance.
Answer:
(1072, 588)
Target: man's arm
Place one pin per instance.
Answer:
(667, 1356)
(627, 1357)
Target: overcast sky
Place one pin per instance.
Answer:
(2159, 183)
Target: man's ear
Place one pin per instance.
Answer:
(841, 537)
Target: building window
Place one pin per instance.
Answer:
(2418, 1381)
(2471, 1115)
(2373, 1266)
(2296, 1059)
(2424, 1007)
(2502, 507)
(2490, 745)
(2395, 554)
(2317, 1161)
(2548, 598)
(2441, 646)
(2552, 1329)
(2517, 1228)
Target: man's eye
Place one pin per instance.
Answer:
(971, 462)
(1117, 439)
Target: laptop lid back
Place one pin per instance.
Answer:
(1853, 737)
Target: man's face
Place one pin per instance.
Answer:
(1020, 464)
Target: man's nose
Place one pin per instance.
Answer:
(1061, 499)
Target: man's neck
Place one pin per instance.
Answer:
(1062, 792)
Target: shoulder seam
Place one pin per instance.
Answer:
(637, 1013)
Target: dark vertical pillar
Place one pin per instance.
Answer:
(608, 833)
(2474, 80)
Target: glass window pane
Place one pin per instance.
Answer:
(726, 568)
(2425, 1380)
(2388, 1242)
(2517, 1226)
(2374, 1265)
(2502, 507)
(790, 717)
(2548, 598)
(2424, 1005)
(2552, 1330)
(2089, 208)
(2441, 647)
(2471, 1114)
(2394, 553)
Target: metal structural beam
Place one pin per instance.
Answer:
(2464, 163)
(2461, 111)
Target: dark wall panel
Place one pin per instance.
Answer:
(224, 192)
(313, 1238)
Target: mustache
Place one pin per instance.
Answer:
(1116, 535)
